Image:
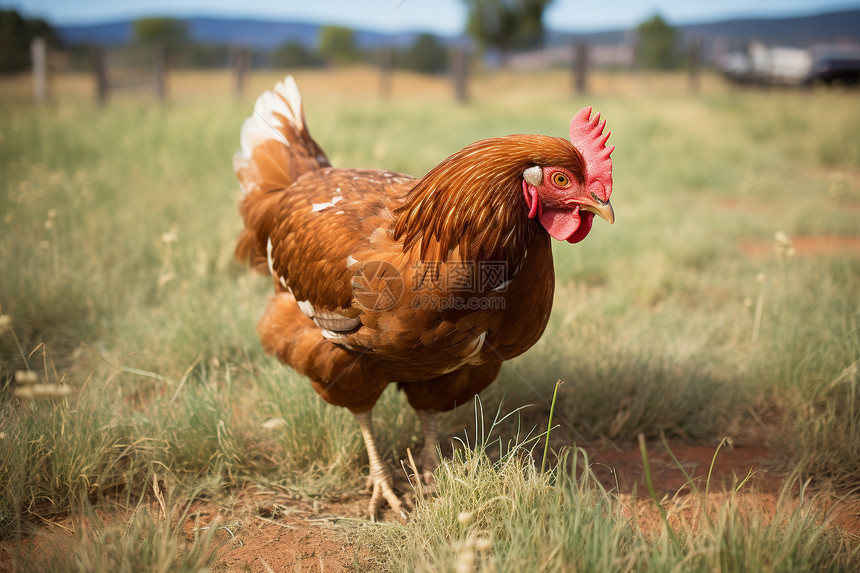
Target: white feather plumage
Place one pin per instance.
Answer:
(266, 123)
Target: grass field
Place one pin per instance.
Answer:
(724, 303)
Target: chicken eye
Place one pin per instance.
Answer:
(559, 179)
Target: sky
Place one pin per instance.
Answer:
(437, 16)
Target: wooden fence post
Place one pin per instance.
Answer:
(386, 63)
(459, 66)
(695, 63)
(39, 56)
(100, 68)
(580, 67)
(241, 64)
(159, 72)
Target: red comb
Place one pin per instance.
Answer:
(586, 134)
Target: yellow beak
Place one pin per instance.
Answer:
(603, 210)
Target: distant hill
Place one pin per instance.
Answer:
(105, 33)
(800, 31)
(267, 34)
(257, 34)
(261, 34)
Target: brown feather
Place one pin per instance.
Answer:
(473, 198)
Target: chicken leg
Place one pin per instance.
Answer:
(381, 476)
(428, 460)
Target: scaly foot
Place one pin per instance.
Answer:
(381, 479)
(428, 460)
(382, 488)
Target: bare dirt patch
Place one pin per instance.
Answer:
(623, 471)
(280, 534)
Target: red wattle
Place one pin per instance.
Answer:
(561, 224)
(587, 218)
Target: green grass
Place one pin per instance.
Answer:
(508, 516)
(117, 273)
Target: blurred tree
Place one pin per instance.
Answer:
(205, 55)
(426, 54)
(656, 48)
(171, 34)
(16, 33)
(337, 45)
(506, 25)
(294, 55)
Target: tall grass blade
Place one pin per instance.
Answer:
(549, 425)
(649, 483)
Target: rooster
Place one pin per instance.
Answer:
(429, 283)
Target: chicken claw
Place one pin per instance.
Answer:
(381, 477)
(384, 492)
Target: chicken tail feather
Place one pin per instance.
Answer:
(276, 149)
(276, 146)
